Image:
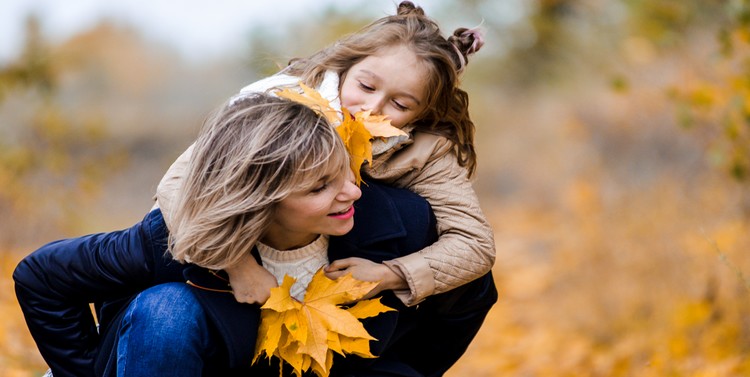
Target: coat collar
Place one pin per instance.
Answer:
(376, 218)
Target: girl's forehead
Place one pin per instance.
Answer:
(397, 53)
(397, 64)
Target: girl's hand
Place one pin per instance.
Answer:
(366, 270)
(251, 283)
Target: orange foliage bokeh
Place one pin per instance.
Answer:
(621, 239)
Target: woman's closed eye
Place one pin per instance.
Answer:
(319, 188)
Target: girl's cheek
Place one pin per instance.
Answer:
(349, 99)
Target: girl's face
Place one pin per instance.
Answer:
(390, 83)
(326, 208)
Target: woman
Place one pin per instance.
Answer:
(268, 177)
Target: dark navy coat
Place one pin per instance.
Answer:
(56, 283)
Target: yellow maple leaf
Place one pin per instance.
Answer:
(312, 99)
(306, 334)
(378, 125)
(358, 141)
(356, 346)
(366, 308)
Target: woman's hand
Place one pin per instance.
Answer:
(366, 270)
(251, 283)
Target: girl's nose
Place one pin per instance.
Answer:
(375, 106)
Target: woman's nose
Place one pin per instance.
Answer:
(350, 191)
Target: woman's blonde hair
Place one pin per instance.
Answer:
(447, 110)
(250, 154)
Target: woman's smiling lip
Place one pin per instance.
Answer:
(343, 215)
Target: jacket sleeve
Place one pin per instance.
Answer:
(465, 249)
(55, 284)
(170, 185)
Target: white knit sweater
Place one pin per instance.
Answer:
(301, 264)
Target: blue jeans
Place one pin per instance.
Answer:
(164, 332)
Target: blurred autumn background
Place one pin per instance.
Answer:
(614, 164)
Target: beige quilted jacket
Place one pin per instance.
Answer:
(466, 247)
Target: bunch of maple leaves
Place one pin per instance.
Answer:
(306, 334)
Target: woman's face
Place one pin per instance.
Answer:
(390, 83)
(326, 208)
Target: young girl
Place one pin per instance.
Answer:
(402, 67)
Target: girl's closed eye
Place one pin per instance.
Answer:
(365, 87)
(400, 106)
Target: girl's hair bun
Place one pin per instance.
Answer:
(466, 42)
(406, 8)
